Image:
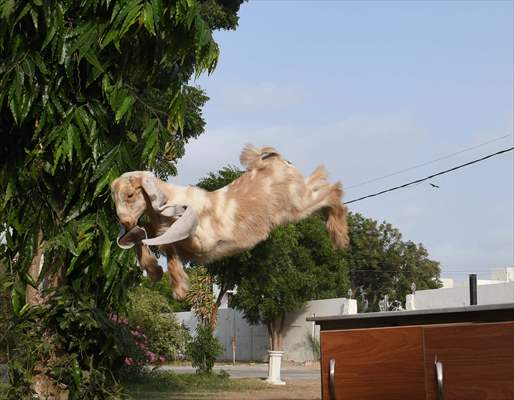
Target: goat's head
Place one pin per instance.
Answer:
(134, 193)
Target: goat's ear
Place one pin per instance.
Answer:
(156, 195)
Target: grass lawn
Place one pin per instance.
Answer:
(167, 385)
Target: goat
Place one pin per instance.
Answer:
(211, 225)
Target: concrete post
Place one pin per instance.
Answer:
(409, 302)
(349, 306)
(275, 360)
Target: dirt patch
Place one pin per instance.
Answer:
(292, 390)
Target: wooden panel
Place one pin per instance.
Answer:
(478, 361)
(374, 364)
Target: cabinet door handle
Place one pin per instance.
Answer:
(331, 378)
(439, 378)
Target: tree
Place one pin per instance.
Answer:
(382, 263)
(279, 277)
(205, 347)
(87, 90)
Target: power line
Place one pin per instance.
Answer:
(428, 162)
(430, 177)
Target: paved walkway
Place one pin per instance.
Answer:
(254, 371)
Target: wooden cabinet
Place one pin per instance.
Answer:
(391, 356)
(477, 360)
(384, 364)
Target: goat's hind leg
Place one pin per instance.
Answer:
(319, 193)
(322, 195)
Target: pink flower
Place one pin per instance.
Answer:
(151, 356)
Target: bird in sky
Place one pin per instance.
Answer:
(433, 185)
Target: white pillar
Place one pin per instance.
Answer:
(275, 360)
(349, 306)
(409, 302)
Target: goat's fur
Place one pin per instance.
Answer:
(271, 192)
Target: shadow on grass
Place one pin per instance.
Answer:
(161, 385)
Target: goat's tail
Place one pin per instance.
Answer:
(148, 262)
(254, 157)
(336, 214)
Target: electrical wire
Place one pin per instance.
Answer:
(428, 162)
(429, 177)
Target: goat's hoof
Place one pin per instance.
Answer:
(179, 293)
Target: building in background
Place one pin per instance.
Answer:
(497, 290)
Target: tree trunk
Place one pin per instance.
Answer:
(43, 386)
(276, 333)
(215, 308)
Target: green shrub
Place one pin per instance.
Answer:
(204, 349)
(314, 345)
(153, 325)
(68, 321)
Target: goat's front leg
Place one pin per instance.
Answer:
(178, 277)
(148, 262)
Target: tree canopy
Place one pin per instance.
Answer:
(88, 90)
(382, 263)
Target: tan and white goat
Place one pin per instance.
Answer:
(189, 223)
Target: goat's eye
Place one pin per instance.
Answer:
(130, 195)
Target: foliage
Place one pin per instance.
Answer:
(382, 263)
(200, 297)
(5, 312)
(89, 90)
(81, 332)
(163, 288)
(151, 318)
(279, 277)
(225, 176)
(204, 349)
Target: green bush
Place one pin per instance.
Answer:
(204, 349)
(154, 326)
(68, 321)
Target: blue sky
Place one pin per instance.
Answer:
(370, 88)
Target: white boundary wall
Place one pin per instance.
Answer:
(491, 291)
(252, 341)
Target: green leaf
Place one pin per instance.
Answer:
(106, 253)
(15, 96)
(105, 180)
(132, 136)
(151, 143)
(7, 8)
(125, 105)
(148, 17)
(24, 310)
(131, 12)
(18, 297)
